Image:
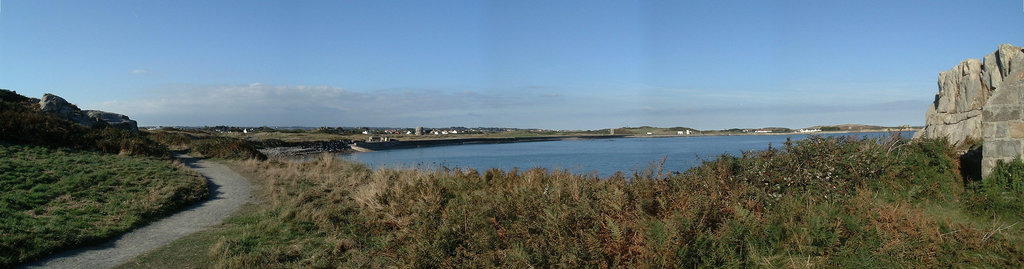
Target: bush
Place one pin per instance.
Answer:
(928, 169)
(227, 148)
(269, 143)
(206, 145)
(172, 139)
(1004, 187)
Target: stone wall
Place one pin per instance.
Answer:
(1003, 115)
(1003, 126)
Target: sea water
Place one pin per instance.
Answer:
(601, 156)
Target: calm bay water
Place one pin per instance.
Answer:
(603, 156)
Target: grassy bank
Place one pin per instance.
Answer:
(55, 199)
(814, 203)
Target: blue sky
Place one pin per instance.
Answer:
(530, 64)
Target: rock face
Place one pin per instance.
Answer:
(57, 105)
(957, 113)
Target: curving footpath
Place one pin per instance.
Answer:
(228, 192)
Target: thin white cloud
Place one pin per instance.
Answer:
(290, 105)
(139, 71)
(260, 104)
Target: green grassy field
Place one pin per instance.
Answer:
(55, 199)
(818, 202)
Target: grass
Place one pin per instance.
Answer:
(818, 202)
(56, 199)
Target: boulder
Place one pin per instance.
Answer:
(63, 109)
(90, 118)
(113, 119)
(956, 113)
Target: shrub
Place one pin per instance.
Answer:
(172, 139)
(226, 148)
(928, 169)
(269, 143)
(206, 145)
(1004, 187)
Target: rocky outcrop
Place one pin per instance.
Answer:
(957, 112)
(113, 119)
(91, 118)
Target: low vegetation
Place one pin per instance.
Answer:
(207, 145)
(818, 202)
(21, 122)
(55, 199)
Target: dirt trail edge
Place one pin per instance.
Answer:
(228, 191)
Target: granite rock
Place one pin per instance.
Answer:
(90, 118)
(957, 112)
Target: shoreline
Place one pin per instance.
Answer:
(776, 134)
(350, 146)
(376, 146)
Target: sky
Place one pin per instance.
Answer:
(525, 64)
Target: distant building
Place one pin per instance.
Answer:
(763, 131)
(810, 130)
(366, 132)
(681, 132)
(378, 139)
(650, 133)
(419, 130)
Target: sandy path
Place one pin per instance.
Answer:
(228, 192)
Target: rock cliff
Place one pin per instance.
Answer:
(964, 91)
(65, 110)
